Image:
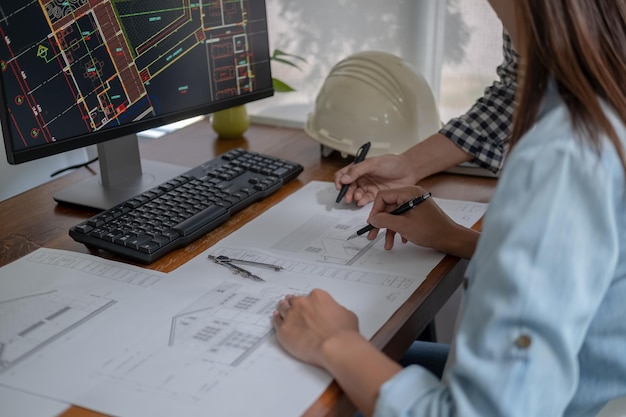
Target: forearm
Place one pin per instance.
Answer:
(462, 242)
(484, 130)
(435, 154)
(358, 367)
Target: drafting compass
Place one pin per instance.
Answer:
(229, 263)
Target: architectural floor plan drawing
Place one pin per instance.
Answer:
(224, 323)
(324, 267)
(49, 307)
(310, 229)
(208, 341)
(199, 340)
(92, 266)
(28, 323)
(324, 238)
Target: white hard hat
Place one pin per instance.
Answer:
(377, 97)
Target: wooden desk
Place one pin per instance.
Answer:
(32, 220)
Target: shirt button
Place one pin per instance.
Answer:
(523, 342)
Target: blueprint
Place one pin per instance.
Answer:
(31, 319)
(175, 345)
(30, 322)
(129, 341)
(86, 66)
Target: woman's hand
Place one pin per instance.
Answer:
(304, 323)
(316, 329)
(425, 225)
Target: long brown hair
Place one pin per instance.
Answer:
(581, 45)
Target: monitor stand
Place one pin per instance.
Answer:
(122, 175)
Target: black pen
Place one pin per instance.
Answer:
(399, 210)
(360, 156)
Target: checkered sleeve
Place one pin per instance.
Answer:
(485, 129)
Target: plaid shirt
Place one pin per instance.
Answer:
(485, 129)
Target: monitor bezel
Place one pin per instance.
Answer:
(92, 138)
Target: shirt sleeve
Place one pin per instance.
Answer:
(547, 255)
(485, 129)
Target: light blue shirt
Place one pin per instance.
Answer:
(543, 332)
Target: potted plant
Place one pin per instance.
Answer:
(287, 59)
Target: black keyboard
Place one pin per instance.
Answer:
(175, 213)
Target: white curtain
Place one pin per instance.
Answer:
(455, 44)
(472, 49)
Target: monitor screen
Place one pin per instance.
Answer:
(80, 72)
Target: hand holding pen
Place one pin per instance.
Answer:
(359, 157)
(428, 227)
(403, 208)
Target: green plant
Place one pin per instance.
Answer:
(287, 59)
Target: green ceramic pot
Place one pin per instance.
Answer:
(231, 123)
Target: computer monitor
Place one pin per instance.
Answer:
(81, 72)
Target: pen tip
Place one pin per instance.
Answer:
(352, 236)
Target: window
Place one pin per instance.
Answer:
(455, 44)
(472, 51)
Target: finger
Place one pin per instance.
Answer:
(277, 319)
(371, 235)
(283, 307)
(347, 175)
(391, 198)
(363, 197)
(390, 223)
(349, 196)
(378, 205)
(355, 171)
(390, 236)
(387, 200)
(342, 178)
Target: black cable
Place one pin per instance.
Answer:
(84, 164)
